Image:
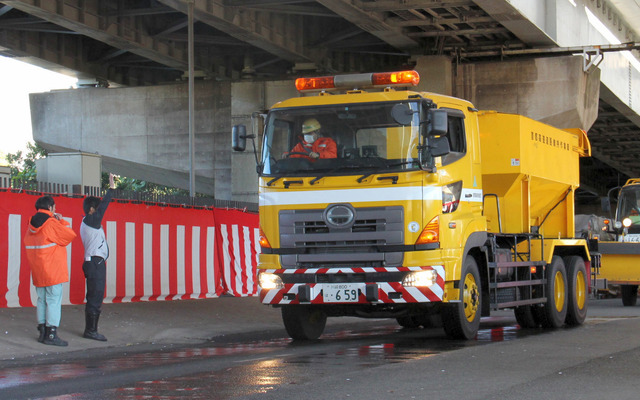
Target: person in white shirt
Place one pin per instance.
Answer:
(96, 252)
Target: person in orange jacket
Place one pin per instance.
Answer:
(313, 146)
(45, 243)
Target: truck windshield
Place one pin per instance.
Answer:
(629, 207)
(339, 140)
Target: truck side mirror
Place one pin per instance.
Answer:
(239, 137)
(438, 124)
(439, 146)
(605, 205)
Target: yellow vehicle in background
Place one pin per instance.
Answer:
(432, 212)
(621, 257)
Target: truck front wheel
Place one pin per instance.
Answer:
(303, 323)
(629, 295)
(461, 320)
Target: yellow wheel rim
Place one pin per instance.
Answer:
(581, 290)
(558, 290)
(471, 297)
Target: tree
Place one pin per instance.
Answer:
(137, 185)
(24, 168)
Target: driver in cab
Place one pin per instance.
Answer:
(314, 145)
(634, 214)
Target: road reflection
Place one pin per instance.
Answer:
(249, 368)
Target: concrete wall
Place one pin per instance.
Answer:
(552, 90)
(142, 132)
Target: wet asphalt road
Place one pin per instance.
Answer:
(370, 359)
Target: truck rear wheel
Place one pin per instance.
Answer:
(303, 323)
(577, 290)
(553, 313)
(629, 295)
(461, 320)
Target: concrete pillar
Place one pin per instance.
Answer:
(436, 74)
(247, 99)
(553, 90)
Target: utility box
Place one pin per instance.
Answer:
(82, 169)
(5, 176)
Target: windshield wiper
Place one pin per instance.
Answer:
(272, 181)
(365, 176)
(331, 171)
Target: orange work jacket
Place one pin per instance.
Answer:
(324, 146)
(46, 250)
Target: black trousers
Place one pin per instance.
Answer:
(95, 272)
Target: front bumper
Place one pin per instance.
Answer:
(370, 285)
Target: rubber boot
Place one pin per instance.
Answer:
(91, 327)
(51, 337)
(41, 330)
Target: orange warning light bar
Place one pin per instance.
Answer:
(358, 81)
(396, 78)
(322, 83)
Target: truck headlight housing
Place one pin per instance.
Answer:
(420, 278)
(270, 281)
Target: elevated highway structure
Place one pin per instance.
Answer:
(536, 58)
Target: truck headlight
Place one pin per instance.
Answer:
(626, 222)
(270, 281)
(420, 278)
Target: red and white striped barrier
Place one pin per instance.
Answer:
(156, 252)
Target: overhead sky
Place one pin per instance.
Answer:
(17, 80)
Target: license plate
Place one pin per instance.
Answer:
(632, 238)
(340, 293)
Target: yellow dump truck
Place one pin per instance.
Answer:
(382, 202)
(621, 256)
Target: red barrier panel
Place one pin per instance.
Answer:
(156, 252)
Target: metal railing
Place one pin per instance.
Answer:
(151, 198)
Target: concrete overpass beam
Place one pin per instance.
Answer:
(122, 34)
(281, 36)
(142, 132)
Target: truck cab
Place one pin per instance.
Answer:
(620, 255)
(628, 212)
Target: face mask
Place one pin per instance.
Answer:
(310, 138)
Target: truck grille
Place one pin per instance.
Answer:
(308, 227)
(358, 245)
